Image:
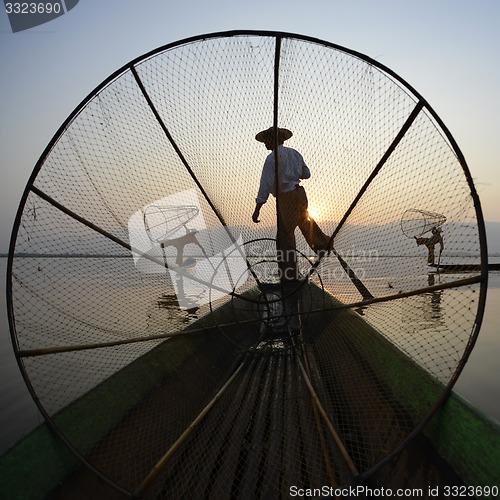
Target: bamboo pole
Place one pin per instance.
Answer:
(159, 466)
(328, 422)
(29, 353)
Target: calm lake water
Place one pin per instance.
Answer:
(479, 382)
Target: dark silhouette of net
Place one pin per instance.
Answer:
(146, 308)
(415, 223)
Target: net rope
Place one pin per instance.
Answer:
(415, 223)
(139, 285)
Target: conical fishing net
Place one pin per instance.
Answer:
(415, 222)
(148, 312)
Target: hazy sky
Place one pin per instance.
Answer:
(448, 50)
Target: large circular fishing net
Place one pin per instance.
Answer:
(147, 310)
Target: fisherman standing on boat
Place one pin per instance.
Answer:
(431, 242)
(292, 200)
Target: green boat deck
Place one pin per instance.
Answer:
(307, 409)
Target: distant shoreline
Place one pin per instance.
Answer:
(67, 255)
(122, 256)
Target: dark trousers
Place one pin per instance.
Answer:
(292, 213)
(430, 244)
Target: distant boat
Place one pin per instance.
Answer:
(456, 268)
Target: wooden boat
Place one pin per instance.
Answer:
(332, 382)
(459, 268)
(261, 421)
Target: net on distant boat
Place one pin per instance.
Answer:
(415, 223)
(148, 313)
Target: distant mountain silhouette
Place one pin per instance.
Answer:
(493, 236)
(384, 239)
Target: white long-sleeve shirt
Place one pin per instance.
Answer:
(291, 168)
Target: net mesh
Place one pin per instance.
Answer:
(415, 223)
(144, 298)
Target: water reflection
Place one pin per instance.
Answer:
(431, 305)
(165, 316)
(432, 328)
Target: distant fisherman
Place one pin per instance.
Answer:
(431, 242)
